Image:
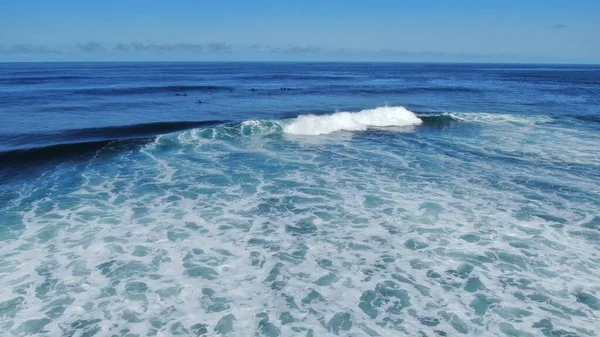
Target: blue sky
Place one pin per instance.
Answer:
(561, 31)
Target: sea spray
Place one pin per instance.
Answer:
(352, 121)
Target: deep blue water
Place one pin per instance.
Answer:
(299, 199)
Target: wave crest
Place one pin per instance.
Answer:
(313, 125)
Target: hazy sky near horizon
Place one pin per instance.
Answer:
(561, 31)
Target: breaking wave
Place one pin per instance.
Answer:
(352, 121)
(79, 143)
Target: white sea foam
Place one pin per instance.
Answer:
(498, 118)
(351, 121)
(345, 238)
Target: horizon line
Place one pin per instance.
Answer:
(312, 61)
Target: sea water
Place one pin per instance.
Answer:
(299, 199)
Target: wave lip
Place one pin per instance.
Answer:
(78, 142)
(312, 125)
(119, 132)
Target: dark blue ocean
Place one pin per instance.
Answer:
(299, 199)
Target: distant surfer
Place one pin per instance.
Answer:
(199, 102)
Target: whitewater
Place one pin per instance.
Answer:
(349, 121)
(294, 213)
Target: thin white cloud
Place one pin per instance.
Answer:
(90, 47)
(176, 47)
(28, 49)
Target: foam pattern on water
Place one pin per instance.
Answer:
(351, 121)
(485, 228)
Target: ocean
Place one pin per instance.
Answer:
(299, 199)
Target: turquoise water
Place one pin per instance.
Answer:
(377, 221)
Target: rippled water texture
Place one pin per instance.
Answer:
(427, 224)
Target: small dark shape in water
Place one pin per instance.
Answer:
(185, 95)
(199, 102)
(177, 95)
(253, 89)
